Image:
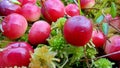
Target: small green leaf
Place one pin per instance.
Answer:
(91, 52)
(4, 43)
(99, 19)
(105, 28)
(103, 63)
(38, 3)
(59, 23)
(24, 38)
(57, 27)
(57, 42)
(113, 11)
(77, 54)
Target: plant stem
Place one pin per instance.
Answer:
(92, 9)
(117, 52)
(114, 27)
(109, 21)
(79, 7)
(87, 61)
(101, 7)
(65, 61)
(75, 2)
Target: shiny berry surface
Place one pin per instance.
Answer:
(72, 10)
(39, 32)
(16, 54)
(113, 45)
(14, 26)
(78, 30)
(7, 7)
(52, 10)
(98, 38)
(31, 15)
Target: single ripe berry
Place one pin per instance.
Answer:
(7, 7)
(31, 12)
(16, 54)
(98, 38)
(78, 30)
(87, 3)
(113, 45)
(14, 26)
(39, 32)
(52, 10)
(72, 10)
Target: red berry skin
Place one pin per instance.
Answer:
(98, 38)
(52, 10)
(6, 7)
(72, 10)
(113, 46)
(30, 14)
(27, 1)
(17, 54)
(87, 3)
(2, 64)
(14, 26)
(39, 32)
(78, 30)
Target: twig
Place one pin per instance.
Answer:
(75, 2)
(86, 59)
(91, 8)
(117, 52)
(65, 61)
(109, 21)
(114, 27)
